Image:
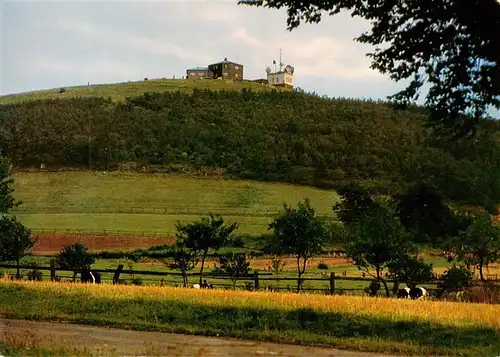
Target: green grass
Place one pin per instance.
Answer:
(119, 91)
(133, 202)
(378, 325)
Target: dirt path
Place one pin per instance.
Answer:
(108, 341)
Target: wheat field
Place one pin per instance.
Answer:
(352, 322)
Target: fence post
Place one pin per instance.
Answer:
(332, 283)
(116, 277)
(256, 280)
(52, 271)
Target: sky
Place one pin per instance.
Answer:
(65, 43)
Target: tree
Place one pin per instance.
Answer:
(236, 265)
(452, 45)
(456, 278)
(356, 202)
(75, 257)
(424, 214)
(301, 233)
(15, 240)
(208, 233)
(276, 267)
(379, 240)
(7, 201)
(411, 270)
(184, 260)
(480, 243)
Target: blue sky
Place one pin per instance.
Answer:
(64, 43)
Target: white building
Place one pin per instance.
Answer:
(281, 78)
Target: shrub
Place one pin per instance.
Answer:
(62, 90)
(373, 288)
(323, 266)
(237, 242)
(136, 281)
(34, 275)
(486, 293)
(456, 278)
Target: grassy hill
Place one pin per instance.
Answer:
(136, 203)
(247, 132)
(120, 91)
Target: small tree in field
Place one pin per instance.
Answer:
(208, 233)
(301, 233)
(236, 265)
(480, 244)
(75, 257)
(379, 240)
(15, 240)
(184, 260)
(411, 270)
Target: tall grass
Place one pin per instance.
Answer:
(370, 324)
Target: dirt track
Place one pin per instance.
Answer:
(108, 341)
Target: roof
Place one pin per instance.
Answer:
(198, 69)
(226, 61)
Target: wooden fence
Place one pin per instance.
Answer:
(257, 280)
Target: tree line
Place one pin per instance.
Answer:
(278, 136)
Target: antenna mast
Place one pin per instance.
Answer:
(281, 64)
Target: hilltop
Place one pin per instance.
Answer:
(242, 130)
(120, 91)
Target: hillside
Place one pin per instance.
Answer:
(269, 136)
(137, 203)
(120, 91)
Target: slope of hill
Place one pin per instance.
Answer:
(137, 203)
(274, 136)
(119, 91)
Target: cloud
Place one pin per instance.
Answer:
(242, 35)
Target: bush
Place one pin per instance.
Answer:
(373, 288)
(457, 278)
(136, 281)
(34, 275)
(323, 266)
(62, 90)
(487, 293)
(237, 242)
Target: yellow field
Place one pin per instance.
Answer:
(350, 322)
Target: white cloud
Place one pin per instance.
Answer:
(241, 34)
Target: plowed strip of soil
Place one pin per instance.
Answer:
(53, 243)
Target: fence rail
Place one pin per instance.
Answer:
(253, 279)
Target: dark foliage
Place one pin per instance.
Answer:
(184, 260)
(411, 270)
(452, 45)
(287, 136)
(207, 233)
(15, 240)
(300, 232)
(75, 257)
(236, 265)
(6, 198)
(378, 241)
(423, 213)
(457, 278)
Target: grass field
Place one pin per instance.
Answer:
(368, 324)
(136, 203)
(119, 91)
